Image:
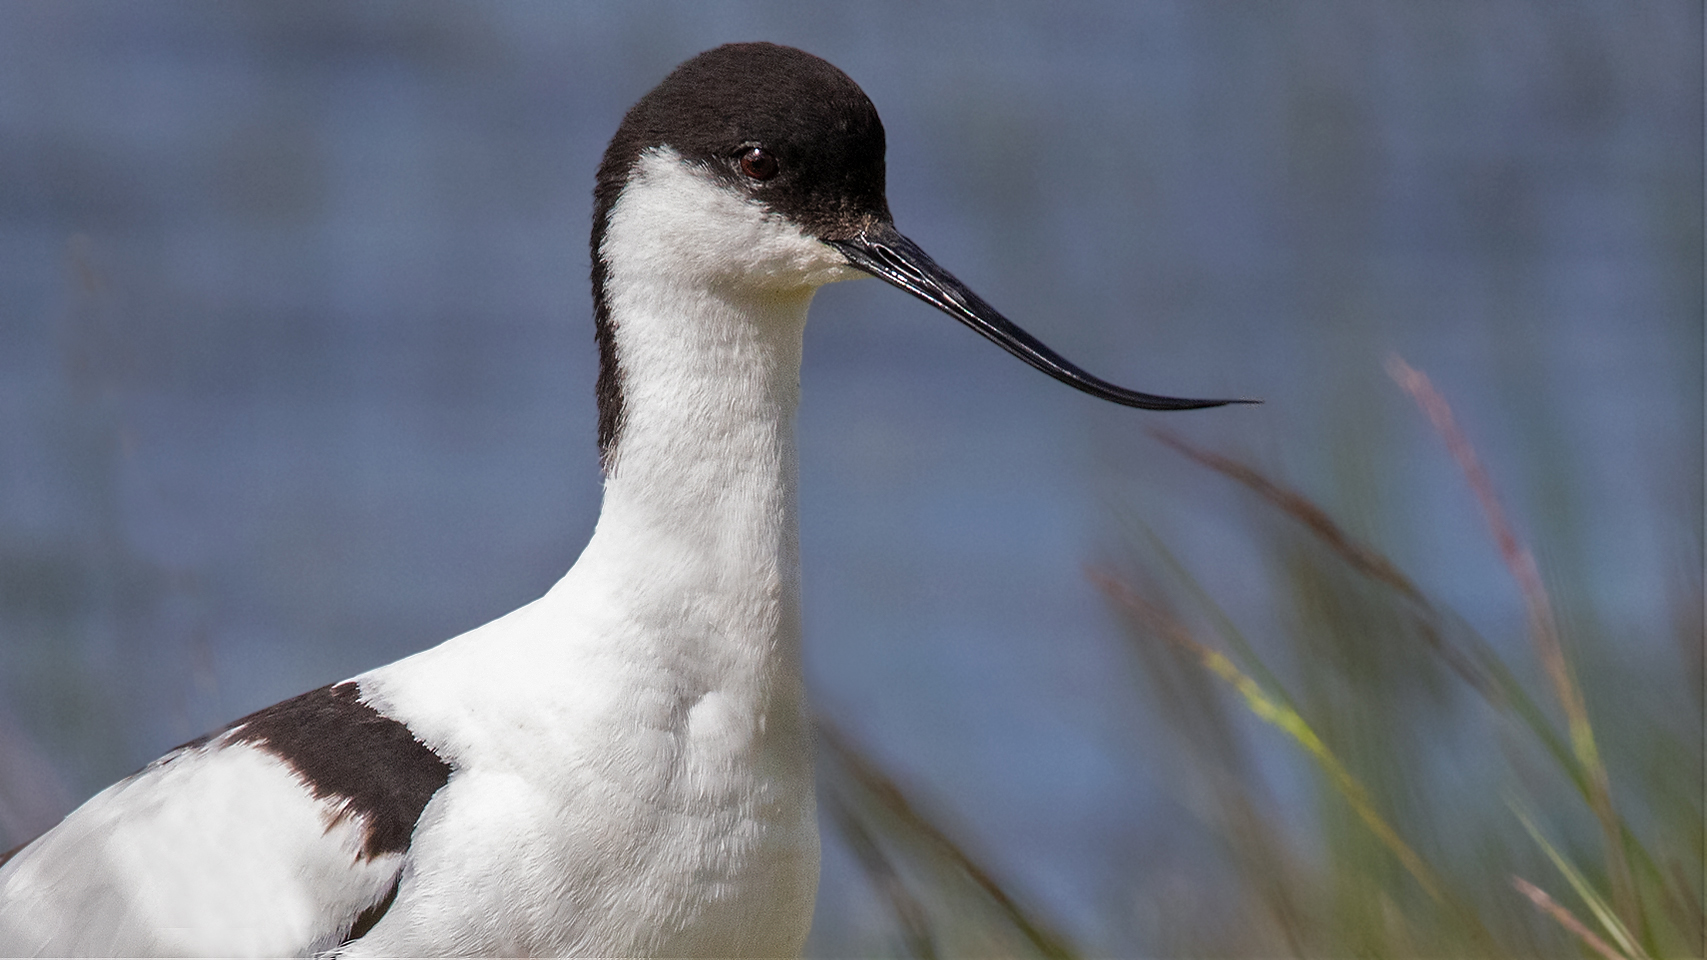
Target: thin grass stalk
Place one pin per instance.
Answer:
(1543, 630)
(1481, 669)
(910, 915)
(1565, 918)
(1359, 555)
(1683, 904)
(1224, 624)
(1272, 710)
(889, 795)
(1609, 921)
(1186, 700)
(1485, 671)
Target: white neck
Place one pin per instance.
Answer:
(698, 541)
(656, 691)
(699, 525)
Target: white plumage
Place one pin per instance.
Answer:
(633, 744)
(622, 767)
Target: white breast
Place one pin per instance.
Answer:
(621, 768)
(635, 742)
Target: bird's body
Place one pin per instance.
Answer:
(622, 767)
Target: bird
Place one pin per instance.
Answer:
(622, 767)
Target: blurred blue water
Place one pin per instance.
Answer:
(296, 361)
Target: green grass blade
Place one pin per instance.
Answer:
(1564, 918)
(1274, 711)
(1597, 905)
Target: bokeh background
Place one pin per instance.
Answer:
(296, 368)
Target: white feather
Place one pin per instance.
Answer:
(636, 740)
(216, 850)
(630, 753)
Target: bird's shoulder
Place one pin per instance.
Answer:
(285, 833)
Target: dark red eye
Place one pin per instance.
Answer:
(758, 163)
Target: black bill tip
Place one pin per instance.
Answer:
(884, 252)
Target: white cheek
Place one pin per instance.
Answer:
(676, 220)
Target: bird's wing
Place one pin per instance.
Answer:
(284, 835)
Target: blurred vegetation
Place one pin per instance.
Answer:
(265, 207)
(1456, 801)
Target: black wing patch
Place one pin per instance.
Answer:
(345, 750)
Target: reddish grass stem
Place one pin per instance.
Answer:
(1565, 918)
(1543, 628)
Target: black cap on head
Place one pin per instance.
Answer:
(821, 134)
(801, 138)
(822, 163)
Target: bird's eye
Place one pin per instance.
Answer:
(758, 163)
